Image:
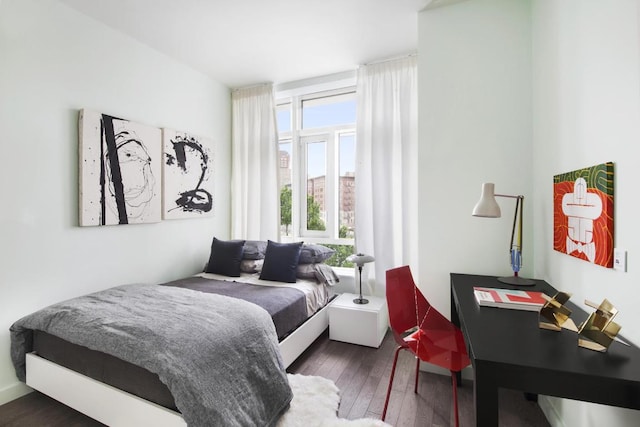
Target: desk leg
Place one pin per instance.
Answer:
(485, 394)
(455, 319)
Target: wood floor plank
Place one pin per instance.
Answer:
(408, 410)
(441, 402)
(351, 385)
(343, 358)
(361, 404)
(36, 409)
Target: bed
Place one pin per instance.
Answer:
(95, 380)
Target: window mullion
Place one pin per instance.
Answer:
(297, 154)
(331, 195)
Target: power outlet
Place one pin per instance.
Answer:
(620, 259)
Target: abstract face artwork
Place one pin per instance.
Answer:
(120, 169)
(187, 178)
(583, 214)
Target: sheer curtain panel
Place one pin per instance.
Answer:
(255, 204)
(386, 166)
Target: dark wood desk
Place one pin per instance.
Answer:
(508, 349)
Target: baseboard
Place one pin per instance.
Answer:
(13, 392)
(467, 373)
(549, 411)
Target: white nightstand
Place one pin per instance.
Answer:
(363, 324)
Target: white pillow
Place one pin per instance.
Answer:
(306, 271)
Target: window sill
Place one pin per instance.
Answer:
(345, 271)
(347, 280)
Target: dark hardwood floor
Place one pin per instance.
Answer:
(361, 374)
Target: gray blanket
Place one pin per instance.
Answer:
(218, 356)
(287, 306)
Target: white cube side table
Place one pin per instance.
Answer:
(363, 324)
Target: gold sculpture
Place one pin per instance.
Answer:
(554, 315)
(599, 330)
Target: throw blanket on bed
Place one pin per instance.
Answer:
(325, 274)
(287, 306)
(218, 356)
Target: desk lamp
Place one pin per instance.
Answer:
(487, 207)
(360, 260)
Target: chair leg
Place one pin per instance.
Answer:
(393, 372)
(454, 384)
(415, 390)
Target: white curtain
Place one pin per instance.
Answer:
(387, 167)
(255, 203)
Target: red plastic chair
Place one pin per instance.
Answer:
(421, 329)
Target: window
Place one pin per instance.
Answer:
(317, 141)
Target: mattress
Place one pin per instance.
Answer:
(104, 368)
(316, 294)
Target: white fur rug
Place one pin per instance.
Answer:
(315, 404)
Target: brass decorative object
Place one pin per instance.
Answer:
(554, 315)
(599, 330)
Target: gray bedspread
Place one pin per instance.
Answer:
(218, 356)
(287, 306)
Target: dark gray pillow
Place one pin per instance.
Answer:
(254, 249)
(225, 257)
(281, 262)
(311, 254)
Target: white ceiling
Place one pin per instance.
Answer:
(245, 42)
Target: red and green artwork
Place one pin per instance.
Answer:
(583, 214)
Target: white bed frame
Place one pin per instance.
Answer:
(114, 407)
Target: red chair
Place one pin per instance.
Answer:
(418, 327)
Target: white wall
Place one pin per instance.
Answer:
(516, 92)
(586, 103)
(474, 126)
(53, 62)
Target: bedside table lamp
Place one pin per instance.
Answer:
(360, 260)
(487, 207)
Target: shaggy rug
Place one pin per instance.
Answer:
(315, 404)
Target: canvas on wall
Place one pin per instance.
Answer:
(187, 176)
(120, 171)
(583, 214)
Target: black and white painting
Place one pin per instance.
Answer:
(120, 171)
(187, 176)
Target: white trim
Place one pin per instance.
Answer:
(550, 411)
(467, 373)
(300, 339)
(315, 84)
(394, 58)
(13, 392)
(432, 4)
(100, 401)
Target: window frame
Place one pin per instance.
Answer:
(299, 138)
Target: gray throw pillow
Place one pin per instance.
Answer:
(311, 254)
(254, 249)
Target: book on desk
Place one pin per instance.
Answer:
(509, 298)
